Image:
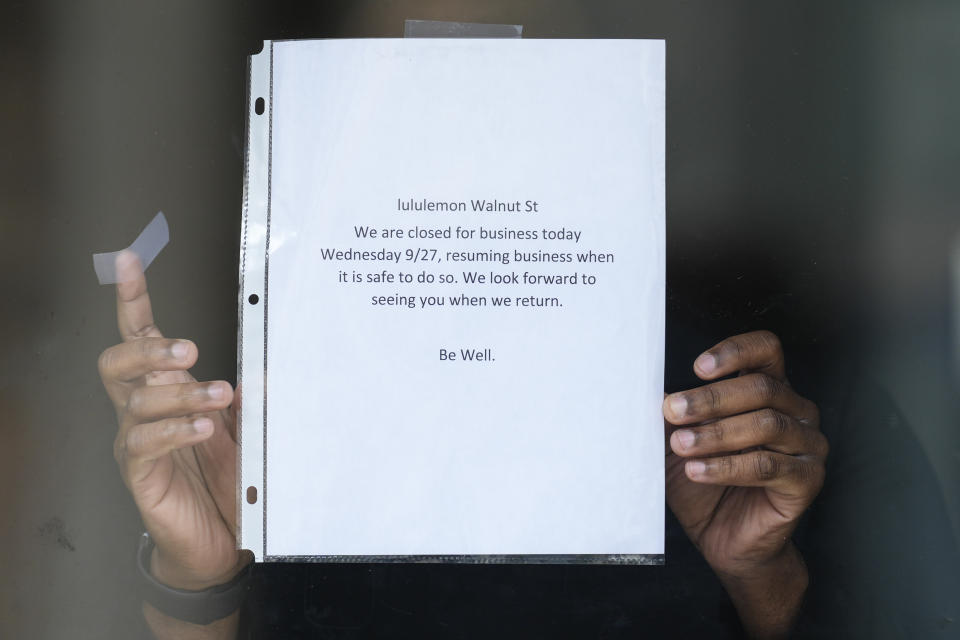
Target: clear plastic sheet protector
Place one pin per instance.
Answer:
(451, 302)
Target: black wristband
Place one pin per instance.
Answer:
(198, 607)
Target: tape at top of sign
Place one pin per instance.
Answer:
(440, 29)
(148, 244)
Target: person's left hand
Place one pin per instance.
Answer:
(745, 459)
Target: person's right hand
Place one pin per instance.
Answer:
(176, 445)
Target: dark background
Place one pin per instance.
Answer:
(812, 188)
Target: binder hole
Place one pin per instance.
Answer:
(254, 298)
(258, 106)
(252, 495)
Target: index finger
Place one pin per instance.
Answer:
(134, 313)
(726, 398)
(758, 351)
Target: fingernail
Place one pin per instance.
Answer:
(180, 349)
(678, 405)
(203, 425)
(215, 391)
(696, 468)
(685, 438)
(706, 363)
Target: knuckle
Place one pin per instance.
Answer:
(763, 423)
(716, 431)
(168, 430)
(768, 341)
(150, 440)
(773, 424)
(730, 350)
(766, 466)
(188, 395)
(134, 443)
(704, 401)
(809, 474)
(710, 397)
(145, 330)
(767, 388)
(136, 402)
(726, 466)
(146, 348)
(105, 363)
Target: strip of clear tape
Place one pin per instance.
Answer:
(147, 246)
(440, 29)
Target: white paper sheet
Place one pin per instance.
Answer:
(376, 434)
